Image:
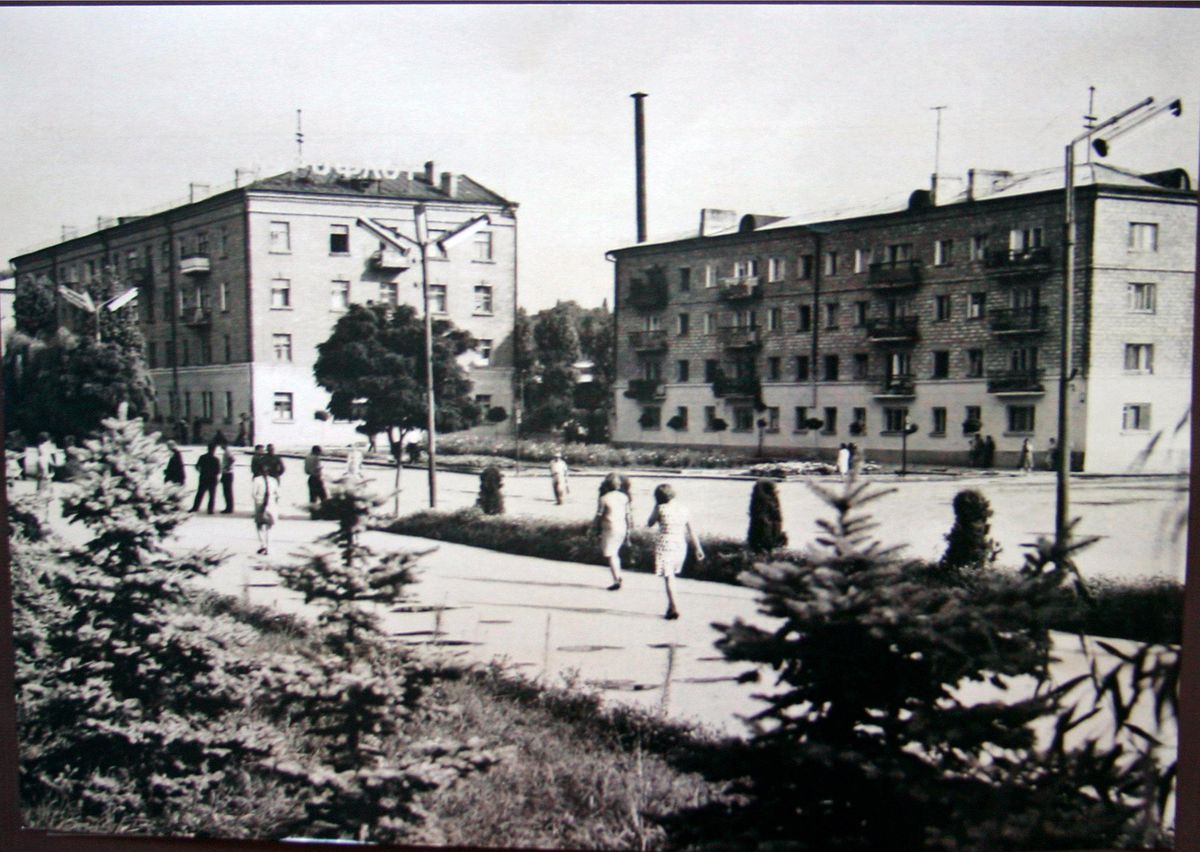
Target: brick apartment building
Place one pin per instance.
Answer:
(236, 290)
(800, 336)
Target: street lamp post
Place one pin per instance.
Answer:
(1066, 371)
(430, 431)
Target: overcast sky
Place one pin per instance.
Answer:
(784, 110)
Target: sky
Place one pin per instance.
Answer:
(788, 110)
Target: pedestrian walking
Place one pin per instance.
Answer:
(989, 451)
(239, 440)
(1026, 459)
(1052, 456)
(175, 471)
(197, 430)
(612, 524)
(266, 509)
(843, 461)
(181, 431)
(316, 484)
(257, 461)
(354, 461)
(558, 478)
(856, 460)
(675, 533)
(273, 465)
(227, 463)
(208, 466)
(47, 458)
(976, 452)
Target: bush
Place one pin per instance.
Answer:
(766, 519)
(491, 500)
(968, 547)
(483, 449)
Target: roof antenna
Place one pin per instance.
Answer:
(1089, 121)
(299, 142)
(937, 154)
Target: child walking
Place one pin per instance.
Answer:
(671, 547)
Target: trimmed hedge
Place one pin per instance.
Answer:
(1142, 610)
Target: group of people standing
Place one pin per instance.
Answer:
(982, 453)
(849, 460)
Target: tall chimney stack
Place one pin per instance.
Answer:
(639, 142)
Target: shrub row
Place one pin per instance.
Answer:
(1141, 610)
(588, 455)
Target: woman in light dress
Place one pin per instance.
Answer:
(613, 522)
(671, 546)
(266, 509)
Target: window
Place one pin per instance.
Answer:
(205, 351)
(745, 319)
(483, 299)
(283, 407)
(943, 252)
(685, 279)
(972, 415)
(976, 305)
(806, 266)
(974, 363)
(1139, 358)
(862, 365)
(979, 246)
(1024, 239)
(776, 267)
(169, 357)
(684, 324)
(222, 241)
(653, 322)
(805, 318)
(710, 323)
(187, 404)
(681, 418)
(710, 276)
(1143, 236)
(339, 295)
(281, 293)
(223, 296)
(228, 406)
(830, 422)
(165, 253)
(858, 425)
(483, 245)
(389, 293)
(187, 354)
(281, 238)
(651, 418)
(802, 368)
(682, 370)
(899, 253)
(830, 368)
(939, 420)
(151, 354)
(1023, 360)
(437, 298)
(339, 239)
(710, 417)
(1135, 417)
(773, 418)
(483, 350)
(831, 263)
(1141, 298)
(743, 418)
(745, 268)
(893, 419)
(862, 259)
(282, 343)
(801, 418)
(228, 349)
(1020, 418)
(941, 308)
(831, 315)
(773, 368)
(774, 319)
(710, 370)
(652, 370)
(860, 313)
(206, 405)
(941, 364)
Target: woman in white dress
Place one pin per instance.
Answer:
(671, 547)
(266, 509)
(613, 522)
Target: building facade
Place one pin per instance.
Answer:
(236, 291)
(795, 337)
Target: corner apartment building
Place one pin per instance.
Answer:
(799, 336)
(236, 290)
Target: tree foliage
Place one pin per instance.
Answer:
(968, 545)
(548, 348)
(491, 485)
(766, 519)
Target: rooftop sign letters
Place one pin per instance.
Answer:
(350, 172)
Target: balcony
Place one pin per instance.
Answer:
(894, 330)
(196, 317)
(739, 336)
(1018, 263)
(896, 386)
(390, 259)
(646, 390)
(648, 294)
(736, 289)
(736, 386)
(894, 273)
(648, 341)
(1027, 320)
(1016, 382)
(195, 264)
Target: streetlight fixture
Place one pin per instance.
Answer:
(84, 302)
(1133, 117)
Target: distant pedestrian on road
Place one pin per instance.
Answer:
(266, 509)
(989, 451)
(316, 484)
(47, 453)
(1052, 456)
(209, 468)
(175, 471)
(856, 461)
(240, 439)
(181, 431)
(354, 461)
(558, 478)
(273, 465)
(612, 524)
(227, 463)
(671, 546)
(1026, 460)
(976, 451)
(843, 461)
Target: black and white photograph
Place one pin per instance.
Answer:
(603, 426)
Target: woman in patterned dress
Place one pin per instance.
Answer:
(671, 547)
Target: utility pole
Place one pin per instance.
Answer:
(430, 432)
(937, 152)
